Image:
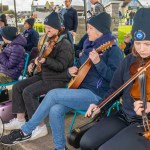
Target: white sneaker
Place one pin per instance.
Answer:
(39, 132)
(14, 124)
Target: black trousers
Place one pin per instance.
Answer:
(114, 133)
(25, 93)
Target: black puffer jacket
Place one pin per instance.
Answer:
(59, 60)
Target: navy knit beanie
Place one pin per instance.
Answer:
(102, 22)
(9, 33)
(30, 21)
(53, 20)
(141, 26)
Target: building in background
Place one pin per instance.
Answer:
(3, 8)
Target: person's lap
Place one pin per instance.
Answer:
(79, 99)
(127, 139)
(104, 130)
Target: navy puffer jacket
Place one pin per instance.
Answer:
(12, 58)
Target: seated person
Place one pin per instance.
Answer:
(3, 23)
(53, 75)
(79, 47)
(30, 34)
(92, 89)
(129, 44)
(12, 58)
(120, 131)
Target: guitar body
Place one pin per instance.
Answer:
(82, 72)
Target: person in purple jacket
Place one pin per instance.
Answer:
(12, 58)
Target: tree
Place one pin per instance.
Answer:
(9, 12)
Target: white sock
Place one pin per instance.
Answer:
(21, 120)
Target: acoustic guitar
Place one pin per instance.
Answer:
(84, 69)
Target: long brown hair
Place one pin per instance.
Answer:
(134, 52)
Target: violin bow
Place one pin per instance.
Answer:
(110, 97)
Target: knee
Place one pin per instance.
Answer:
(26, 92)
(57, 111)
(16, 87)
(86, 143)
(103, 147)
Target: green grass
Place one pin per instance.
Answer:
(122, 30)
(39, 27)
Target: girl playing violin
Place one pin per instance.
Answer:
(120, 131)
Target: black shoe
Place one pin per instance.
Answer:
(66, 148)
(16, 136)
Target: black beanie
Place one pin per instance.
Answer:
(3, 18)
(53, 20)
(102, 22)
(9, 33)
(141, 26)
(30, 21)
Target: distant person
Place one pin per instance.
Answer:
(30, 34)
(3, 23)
(127, 17)
(131, 15)
(129, 44)
(70, 18)
(89, 13)
(79, 47)
(98, 7)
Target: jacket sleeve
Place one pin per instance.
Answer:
(116, 82)
(34, 38)
(106, 68)
(75, 21)
(12, 60)
(63, 58)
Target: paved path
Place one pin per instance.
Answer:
(46, 143)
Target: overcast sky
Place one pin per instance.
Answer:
(26, 4)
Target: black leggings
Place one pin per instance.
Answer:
(114, 133)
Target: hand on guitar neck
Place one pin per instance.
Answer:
(94, 57)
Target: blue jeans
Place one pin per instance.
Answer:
(55, 104)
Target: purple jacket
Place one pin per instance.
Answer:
(12, 58)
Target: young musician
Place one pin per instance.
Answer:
(92, 89)
(12, 57)
(30, 34)
(121, 130)
(53, 75)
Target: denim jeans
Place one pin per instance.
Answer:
(55, 104)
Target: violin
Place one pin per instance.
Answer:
(135, 89)
(141, 91)
(136, 72)
(45, 50)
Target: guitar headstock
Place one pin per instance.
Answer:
(105, 46)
